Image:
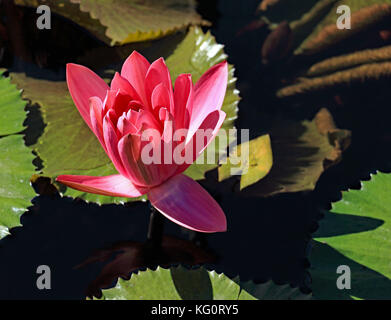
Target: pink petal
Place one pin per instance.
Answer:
(183, 100)
(148, 121)
(160, 97)
(195, 148)
(209, 93)
(111, 142)
(120, 83)
(134, 70)
(129, 148)
(159, 73)
(96, 119)
(138, 170)
(115, 185)
(185, 202)
(84, 84)
(125, 126)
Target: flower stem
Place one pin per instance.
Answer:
(155, 228)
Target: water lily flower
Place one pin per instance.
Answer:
(139, 98)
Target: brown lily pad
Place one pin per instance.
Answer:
(301, 152)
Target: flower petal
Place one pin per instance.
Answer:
(120, 83)
(111, 142)
(209, 93)
(160, 98)
(207, 131)
(96, 119)
(159, 73)
(140, 170)
(183, 100)
(84, 84)
(115, 185)
(134, 70)
(185, 202)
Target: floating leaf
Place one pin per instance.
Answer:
(301, 152)
(125, 21)
(258, 160)
(356, 233)
(15, 159)
(270, 291)
(12, 111)
(360, 74)
(178, 283)
(67, 145)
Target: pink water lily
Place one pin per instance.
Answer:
(141, 97)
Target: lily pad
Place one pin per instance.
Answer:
(356, 233)
(301, 152)
(67, 145)
(179, 283)
(15, 159)
(125, 21)
(258, 160)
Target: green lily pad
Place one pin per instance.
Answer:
(256, 165)
(67, 145)
(356, 233)
(15, 159)
(12, 111)
(179, 283)
(125, 21)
